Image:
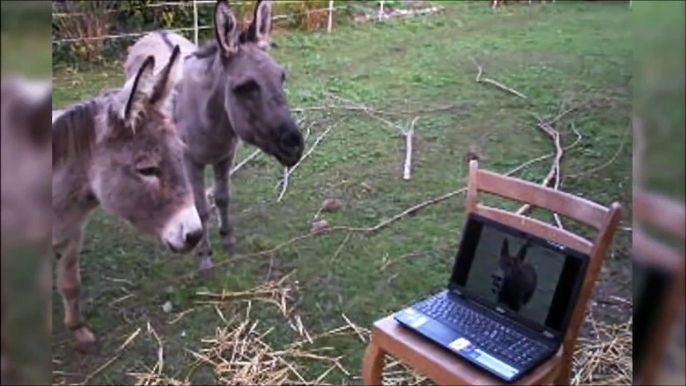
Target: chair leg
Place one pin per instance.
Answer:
(565, 373)
(372, 364)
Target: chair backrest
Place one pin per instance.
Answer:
(604, 220)
(667, 216)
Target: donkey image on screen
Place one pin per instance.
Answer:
(231, 89)
(519, 277)
(121, 152)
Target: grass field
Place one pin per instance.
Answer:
(559, 56)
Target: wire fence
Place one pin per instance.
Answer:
(333, 7)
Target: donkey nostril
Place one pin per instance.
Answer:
(193, 238)
(291, 140)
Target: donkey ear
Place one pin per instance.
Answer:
(505, 249)
(137, 92)
(226, 28)
(167, 79)
(261, 26)
(522, 251)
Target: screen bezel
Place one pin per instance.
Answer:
(463, 254)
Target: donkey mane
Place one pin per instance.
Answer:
(73, 132)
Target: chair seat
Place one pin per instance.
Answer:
(441, 366)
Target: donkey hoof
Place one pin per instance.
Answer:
(229, 244)
(206, 266)
(86, 343)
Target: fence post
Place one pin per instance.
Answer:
(195, 21)
(329, 25)
(381, 13)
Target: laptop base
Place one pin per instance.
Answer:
(459, 344)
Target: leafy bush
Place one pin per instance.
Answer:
(91, 19)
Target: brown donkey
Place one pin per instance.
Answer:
(231, 89)
(119, 151)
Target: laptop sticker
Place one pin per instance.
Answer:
(419, 322)
(496, 364)
(459, 344)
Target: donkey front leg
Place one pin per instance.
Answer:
(196, 174)
(222, 198)
(69, 285)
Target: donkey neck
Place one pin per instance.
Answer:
(74, 133)
(205, 84)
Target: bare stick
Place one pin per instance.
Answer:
(408, 149)
(371, 229)
(249, 158)
(362, 108)
(284, 184)
(605, 164)
(479, 79)
(555, 135)
(288, 172)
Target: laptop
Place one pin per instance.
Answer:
(508, 301)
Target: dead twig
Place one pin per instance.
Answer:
(247, 159)
(288, 172)
(408, 149)
(608, 162)
(480, 78)
(554, 173)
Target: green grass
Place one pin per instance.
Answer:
(558, 55)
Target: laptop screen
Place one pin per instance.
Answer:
(532, 280)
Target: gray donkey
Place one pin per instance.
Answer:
(519, 280)
(231, 89)
(122, 152)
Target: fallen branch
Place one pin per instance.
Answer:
(288, 172)
(284, 184)
(368, 230)
(480, 79)
(554, 173)
(607, 163)
(357, 108)
(408, 149)
(249, 158)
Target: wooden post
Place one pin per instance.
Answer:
(195, 22)
(330, 23)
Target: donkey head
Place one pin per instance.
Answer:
(138, 170)
(254, 96)
(24, 110)
(512, 264)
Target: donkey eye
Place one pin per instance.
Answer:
(151, 171)
(247, 87)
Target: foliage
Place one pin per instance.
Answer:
(134, 16)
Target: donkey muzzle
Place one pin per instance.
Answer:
(184, 231)
(290, 146)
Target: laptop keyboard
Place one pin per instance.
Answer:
(483, 331)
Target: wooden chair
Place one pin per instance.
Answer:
(389, 338)
(668, 216)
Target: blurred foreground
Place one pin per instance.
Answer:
(26, 170)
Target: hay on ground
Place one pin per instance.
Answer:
(604, 358)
